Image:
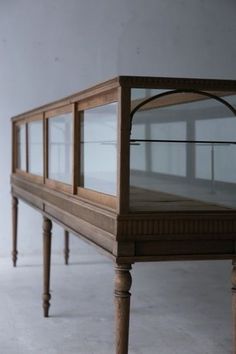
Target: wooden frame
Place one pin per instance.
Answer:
(51, 183)
(26, 173)
(126, 236)
(15, 150)
(107, 97)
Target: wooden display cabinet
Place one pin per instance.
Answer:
(144, 168)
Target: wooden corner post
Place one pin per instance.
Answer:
(123, 281)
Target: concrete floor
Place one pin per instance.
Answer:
(177, 308)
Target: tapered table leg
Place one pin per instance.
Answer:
(234, 305)
(66, 246)
(123, 281)
(14, 229)
(47, 236)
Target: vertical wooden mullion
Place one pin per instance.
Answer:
(75, 149)
(45, 148)
(13, 152)
(123, 150)
(80, 176)
(27, 146)
(44, 142)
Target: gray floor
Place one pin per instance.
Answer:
(177, 308)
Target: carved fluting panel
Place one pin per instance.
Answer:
(178, 226)
(178, 83)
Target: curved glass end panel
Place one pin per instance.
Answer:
(60, 148)
(183, 152)
(98, 149)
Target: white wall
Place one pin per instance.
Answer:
(52, 48)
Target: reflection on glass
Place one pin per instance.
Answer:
(35, 138)
(60, 148)
(141, 94)
(168, 158)
(21, 147)
(183, 148)
(216, 160)
(98, 159)
(139, 154)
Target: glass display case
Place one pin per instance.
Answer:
(144, 168)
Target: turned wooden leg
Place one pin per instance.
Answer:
(66, 246)
(47, 236)
(14, 229)
(123, 281)
(234, 305)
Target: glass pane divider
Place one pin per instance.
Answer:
(75, 148)
(27, 146)
(45, 120)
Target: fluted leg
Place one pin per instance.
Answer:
(47, 235)
(66, 246)
(14, 229)
(123, 281)
(234, 305)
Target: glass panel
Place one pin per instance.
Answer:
(60, 148)
(21, 147)
(183, 148)
(99, 149)
(219, 156)
(139, 95)
(35, 136)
